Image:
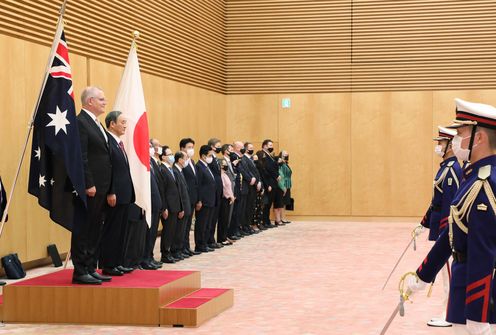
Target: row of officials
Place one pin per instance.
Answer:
(461, 219)
(230, 191)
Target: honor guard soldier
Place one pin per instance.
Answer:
(446, 184)
(471, 237)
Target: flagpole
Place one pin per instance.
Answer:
(31, 122)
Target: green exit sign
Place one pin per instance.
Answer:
(286, 103)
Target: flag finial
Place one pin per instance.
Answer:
(136, 35)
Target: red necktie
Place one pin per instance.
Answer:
(121, 145)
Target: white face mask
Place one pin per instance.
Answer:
(209, 159)
(190, 152)
(461, 154)
(186, 162)
(439, 150)
(151, 151)
(171, 159)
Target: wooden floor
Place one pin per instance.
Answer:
(303, 278)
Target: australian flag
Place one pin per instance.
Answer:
(56, 175)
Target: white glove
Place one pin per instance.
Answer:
(478, 328)
(419, 230)
(414, 285)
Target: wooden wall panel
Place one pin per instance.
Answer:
(316, 133)
(288, 46)
(181, 40)
(391, 153)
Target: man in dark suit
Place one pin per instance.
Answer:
(120, 197)
(172, 205)
(98, 177)
(242, 184)
(157, 195)
(187, 145)
(269, 170)
(254, 187)
(216, 145)
(181, 160)
(206, 193)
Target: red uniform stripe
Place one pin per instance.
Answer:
(484, 293)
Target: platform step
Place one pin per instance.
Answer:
(133, 299)
(197, 307)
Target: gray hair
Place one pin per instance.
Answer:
(213, 141)
(112, 116)
(88, 93)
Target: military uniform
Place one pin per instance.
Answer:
(471, 237)
(446, 184)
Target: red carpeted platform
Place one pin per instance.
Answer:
(137, 279)
(139, 298)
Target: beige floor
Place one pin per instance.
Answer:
(304, 278)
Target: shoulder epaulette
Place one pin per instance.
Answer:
(484, 172)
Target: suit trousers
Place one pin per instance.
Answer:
(203, 218)
(266, 207)
(250, 207)
(225, 214)
(187, 229)
(169, 226)
(151, 237)
(134, 243)
(214, 223)
(114, 232)
(177, 242)
(239, 211)
(85, 242)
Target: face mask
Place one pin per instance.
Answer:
(217, 150)
(190, 152)
(250, 152)
(186, 162)
(171, 159)
(224, 167)
(243, 151)
(286, 158)
(233, 156)
(439, 150)
(270, 150)
(461, 154)
(159, 151)
(209, 159)
(151, 151)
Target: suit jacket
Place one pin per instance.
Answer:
(248, 165)
(95, 152)
(215, 168)
(172, 199)
(155, 182)
(206, 185)
(183, 191)
(122, 184)
(269, 169)
(192, 182)
(243, 177)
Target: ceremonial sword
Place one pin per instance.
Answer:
(415, 232)
(401, 305)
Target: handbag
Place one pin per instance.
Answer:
(290, 206)
(13, 267)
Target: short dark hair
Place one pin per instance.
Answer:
(185, 141)
(164, 148)
(112, 116)
(225, 147)
(205, 149)
(265, 142)
(178, 155)
(213, 141)
(247, 144)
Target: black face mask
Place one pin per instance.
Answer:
(250, 152)
(243, 151)
(270, 150)
(286, 158)
(233, 157)
(217, 150)
(224, 167)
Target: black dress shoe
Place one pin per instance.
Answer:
(178, 256)
(208, 249)
(234, 238)
(213, 246)
(100, 277)
(112, 272)
(156, 263)
(262, 227)
(124, 269)
(148, 266)
(185, 255)
(138, 267)
(286, 222)
(193, 253)
(167, 259)
(86, 280)
(227, 243)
